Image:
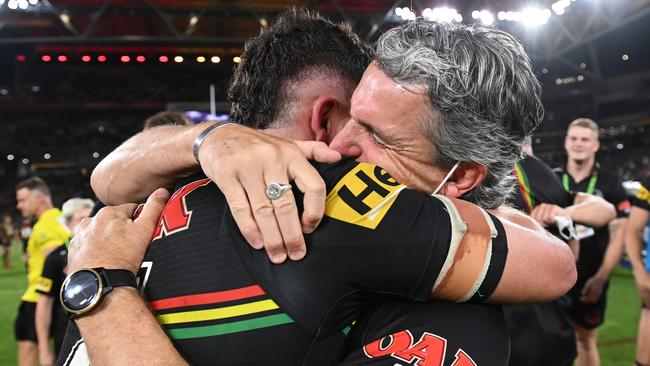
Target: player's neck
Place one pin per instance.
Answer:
(41, 210)
(580, 169)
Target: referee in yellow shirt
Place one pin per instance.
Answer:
(34, 199)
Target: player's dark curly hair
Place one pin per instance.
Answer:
(299, 39)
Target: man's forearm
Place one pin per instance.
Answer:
(633, 233)
(614, 248)
(591, 210)
(151, 159)
(43, 320)
(124, 332)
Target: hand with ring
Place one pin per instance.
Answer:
(252, 170)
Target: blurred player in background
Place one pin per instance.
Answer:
(7, 235)
(600, 249)
(51, 320)
(638, 220)
(34, 200)
(542, 334)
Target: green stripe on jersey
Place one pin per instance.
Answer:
(228, 328)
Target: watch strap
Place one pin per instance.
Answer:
(117, 277)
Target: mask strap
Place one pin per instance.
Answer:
(451, 171)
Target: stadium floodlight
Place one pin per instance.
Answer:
(32, 2)
(215, 59)
(12, 4)
(501, 15)
(23, 4)
(477, 14)
(178, 59)
(2, 2)
(200, 59)
(47, 156)
(443, 15)
(10, 157)
(534, 16)
(486, 17)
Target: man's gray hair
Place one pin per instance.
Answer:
(483, 91)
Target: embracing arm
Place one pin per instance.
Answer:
(114, 332)
(241, 162)
(158, 157)
(539, 266)
(125, 321)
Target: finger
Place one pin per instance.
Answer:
(312, 185)
(262, 210)
(152, 209)
(319, 151)
(126, 209)
(241, 212)
(288, 221)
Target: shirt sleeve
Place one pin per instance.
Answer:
(618, 197)
(50, 280)
(642, 196)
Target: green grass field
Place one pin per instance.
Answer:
(617, 335)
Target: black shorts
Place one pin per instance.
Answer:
(25, 325)
(587, 315)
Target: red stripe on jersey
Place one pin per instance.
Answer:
(209, 298)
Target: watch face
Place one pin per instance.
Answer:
(81, 291)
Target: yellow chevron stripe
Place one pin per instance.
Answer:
(219, 313)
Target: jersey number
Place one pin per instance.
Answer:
(175, 216)
(428, 351)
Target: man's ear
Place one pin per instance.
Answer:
(321, 113)
(467, 177)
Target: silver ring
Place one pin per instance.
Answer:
(276, 190)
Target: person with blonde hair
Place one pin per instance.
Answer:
(51, 320)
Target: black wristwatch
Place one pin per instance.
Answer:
(85, 289)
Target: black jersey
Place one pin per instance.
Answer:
(642, 197)
(607, 185)
(537, 183)
(222, 302)
(540, 334)
(401, 333)
(52, 277)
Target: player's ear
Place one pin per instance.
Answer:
(322, 110)
(468, 175)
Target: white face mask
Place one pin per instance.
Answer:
(451, 171)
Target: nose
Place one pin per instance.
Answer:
(345, 142)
